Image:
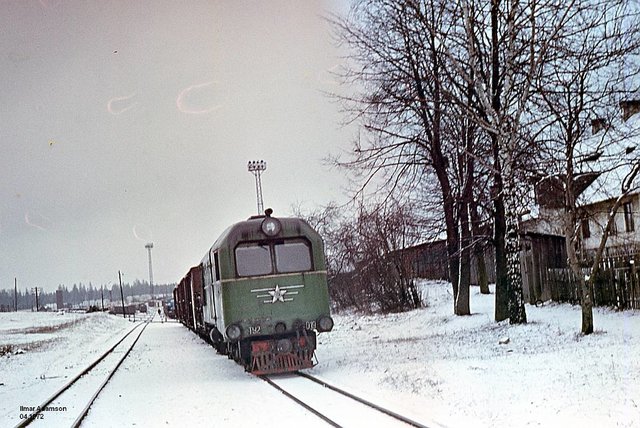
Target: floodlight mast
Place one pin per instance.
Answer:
(256, 168)
(149, 246)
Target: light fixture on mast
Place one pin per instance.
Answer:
(256, 168)
(149, 246)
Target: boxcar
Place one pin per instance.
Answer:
(188, 296)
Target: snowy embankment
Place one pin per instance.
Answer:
(428, 364)
(454, 370)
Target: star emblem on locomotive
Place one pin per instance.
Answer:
(277, 294)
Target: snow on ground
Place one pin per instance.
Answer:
(427, 364)
(172, 378)
(453, 370)
(40, 351)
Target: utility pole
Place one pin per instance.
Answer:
(37, 304)
(102, 296)
(121, 294)
(15, 294)
(149, 246)
(256, 167)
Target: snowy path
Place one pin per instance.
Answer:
(172, 378)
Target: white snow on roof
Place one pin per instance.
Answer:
(610, 152)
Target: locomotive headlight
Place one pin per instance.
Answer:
(234, 332)
(270, 226)
(283, 346)
(281, 327)
(325, 323)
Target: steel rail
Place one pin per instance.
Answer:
(349, 395)
(362, 400)
(300, 402)
(79, 419)
(69, 384)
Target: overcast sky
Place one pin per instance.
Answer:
(126, 122)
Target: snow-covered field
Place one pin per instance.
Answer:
(427, 364)
(454, 370)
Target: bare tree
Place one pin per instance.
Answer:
(397, 49)
(368, 266)
(594, 60)
(438, 77)
(500, 51)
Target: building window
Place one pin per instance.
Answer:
(584, 225)
(628, 217)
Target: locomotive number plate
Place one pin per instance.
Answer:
(255, 329)
(310, 325)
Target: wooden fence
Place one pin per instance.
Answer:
(616, 285)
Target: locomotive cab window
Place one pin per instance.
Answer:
(216, 264)
(253, 259)
(282, 256)
(293, 256)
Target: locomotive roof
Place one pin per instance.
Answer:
(250, 230)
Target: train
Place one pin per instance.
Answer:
(260, 294)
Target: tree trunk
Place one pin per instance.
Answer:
(466, 173)
(500, 228)
(464, 279)
(481, 266)
(478, 250)
(586, 285)
(453, 242)
(517, 314)
(587, 305)
(586, 302)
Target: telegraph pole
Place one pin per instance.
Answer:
(15, 294)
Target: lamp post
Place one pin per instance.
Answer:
(256, 168)
(121, 294)
(149, 246)
(37, 305)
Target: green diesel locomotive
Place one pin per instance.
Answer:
(260, 294)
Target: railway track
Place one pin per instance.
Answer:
(71, 403)
(334, 405)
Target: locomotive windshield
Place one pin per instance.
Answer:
(293, 256)
(253, 259)
(282, 256)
